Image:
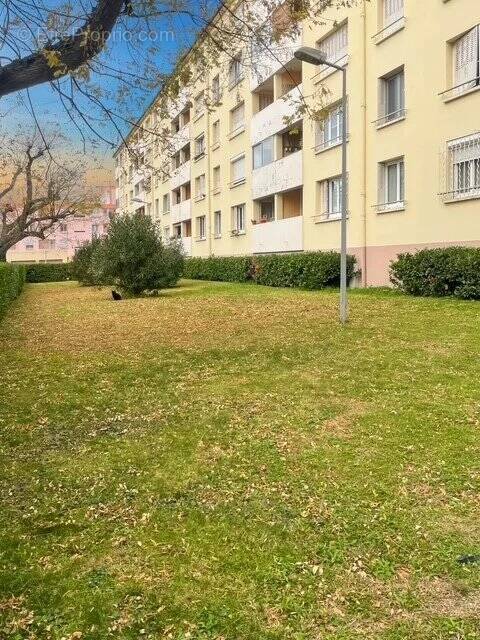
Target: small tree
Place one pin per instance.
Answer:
(83, 266)
(134, 258)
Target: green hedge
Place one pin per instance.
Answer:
(229, 269)
(12, 279)
(314, 270)
(454, 271)
(58, 272)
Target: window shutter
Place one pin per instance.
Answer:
(393, 11)
(466, 59)
(238, 169)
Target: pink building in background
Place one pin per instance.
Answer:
(67, 236)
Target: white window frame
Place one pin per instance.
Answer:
(217, 221)
(237, 176)
(261, 148)
(217, 178)
(464, 168)
(237, 119)
(329, 132)
(202, 227)
(199, 146)
(466, 61)
(200, 187)
(238, 219)
(391, 84)
(395, 201)
(216, 132)
(235, 71)
(392, 10)
(334, 46)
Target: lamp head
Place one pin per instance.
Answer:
(311, 56)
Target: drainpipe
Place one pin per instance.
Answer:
(364, 143)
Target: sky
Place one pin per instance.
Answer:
(168, 37)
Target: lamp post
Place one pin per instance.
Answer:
(316, 57)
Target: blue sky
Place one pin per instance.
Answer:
(171, 36)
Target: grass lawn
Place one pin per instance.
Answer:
(227, 462)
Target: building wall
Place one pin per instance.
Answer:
(422, 42)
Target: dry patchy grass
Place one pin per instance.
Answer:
(226, 462)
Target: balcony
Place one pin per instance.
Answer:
(278, 236)
(271, 120)
(180, 139)
(282, 175)
(187, 245)
(181, 212)
(268, 60)
(180, 176)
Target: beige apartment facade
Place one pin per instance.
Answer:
(257, 169)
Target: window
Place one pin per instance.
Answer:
(166, 233)
(392, 97)
(392, 185)
(166, 203)
(466, 64)
(199, 146)
(200, 187)
(334, 197)
(217, 219)
(201, 227)
(63, 227)
(216, 132)
(216, 89)
(464, 167)
(157, 207)
(393, 10)
(329, 132)
(238, 219)
(199, 103)
(335, 46)
(237, 118)
(177, 231)
(267, 210)
(238, 171)
(235, 71)
(263, 153)
(216, 179)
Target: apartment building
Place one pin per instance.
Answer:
(67, 236)
(255, 173)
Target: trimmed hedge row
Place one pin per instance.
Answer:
(12, 279)
(229, 269)
(314, 270)
(45, 272)
(453, 271)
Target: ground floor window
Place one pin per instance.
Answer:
(238, 221)
(218, 223)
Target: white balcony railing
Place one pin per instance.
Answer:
(180, 139)
(267, 60)
(187, 245)
(181, 175)
(181, 212)
(282, 175)
(278, 235)
(271, 120)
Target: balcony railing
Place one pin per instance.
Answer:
(278, 236)
(389, 29)
(390, 118)
(460, 89)
(282, 175)
(387, 207)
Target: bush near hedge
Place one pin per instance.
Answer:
(45, 272)
(314, 270)
(12, 279)
(453, 271)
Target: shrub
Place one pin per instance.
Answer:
(12, 279)
(306, 270)
(453, 271)
(228, 269)
(315, 270)
(58, 272)
(133, 257)
(83, 264)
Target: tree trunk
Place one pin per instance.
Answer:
(71, 52)
(3, 254)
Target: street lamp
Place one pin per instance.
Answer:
(316, 57)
